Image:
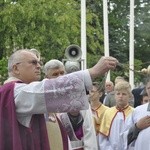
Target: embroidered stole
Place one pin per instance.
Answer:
(75, 142)
(55, 134)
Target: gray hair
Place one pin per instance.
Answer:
(15, 58)
(36, 52)
(52, 64)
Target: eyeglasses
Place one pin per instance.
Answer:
(33, 62)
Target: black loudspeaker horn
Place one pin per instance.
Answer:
(73, 52)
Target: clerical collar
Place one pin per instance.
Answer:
(148, 107)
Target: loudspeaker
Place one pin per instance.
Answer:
(73, 52)
(72, 66)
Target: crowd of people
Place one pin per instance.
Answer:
(70, 111)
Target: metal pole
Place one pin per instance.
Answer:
(83, 34)
(106, 36)
(131, 45)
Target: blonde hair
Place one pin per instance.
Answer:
(118, 79)
(123, 85)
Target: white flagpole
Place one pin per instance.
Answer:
(83, 34)
(131, 45)
(106, 36)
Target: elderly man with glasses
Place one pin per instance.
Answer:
(24, 99)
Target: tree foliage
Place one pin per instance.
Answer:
(119, 19)
(51, 26)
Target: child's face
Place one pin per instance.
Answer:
(122, 98)
(94, 94)
(145, 99)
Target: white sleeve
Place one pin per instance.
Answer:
(104, 142)
(89, 138)
(124, 135)
(66, 93)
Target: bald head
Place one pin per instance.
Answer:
(15, 58)
(24, 65)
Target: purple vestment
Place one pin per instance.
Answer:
(13, 135)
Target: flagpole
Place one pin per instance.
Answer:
(83, 34)
(131, 45)
(106, 35)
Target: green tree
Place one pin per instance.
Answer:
(49, 26)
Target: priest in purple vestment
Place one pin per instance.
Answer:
(24, 99)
